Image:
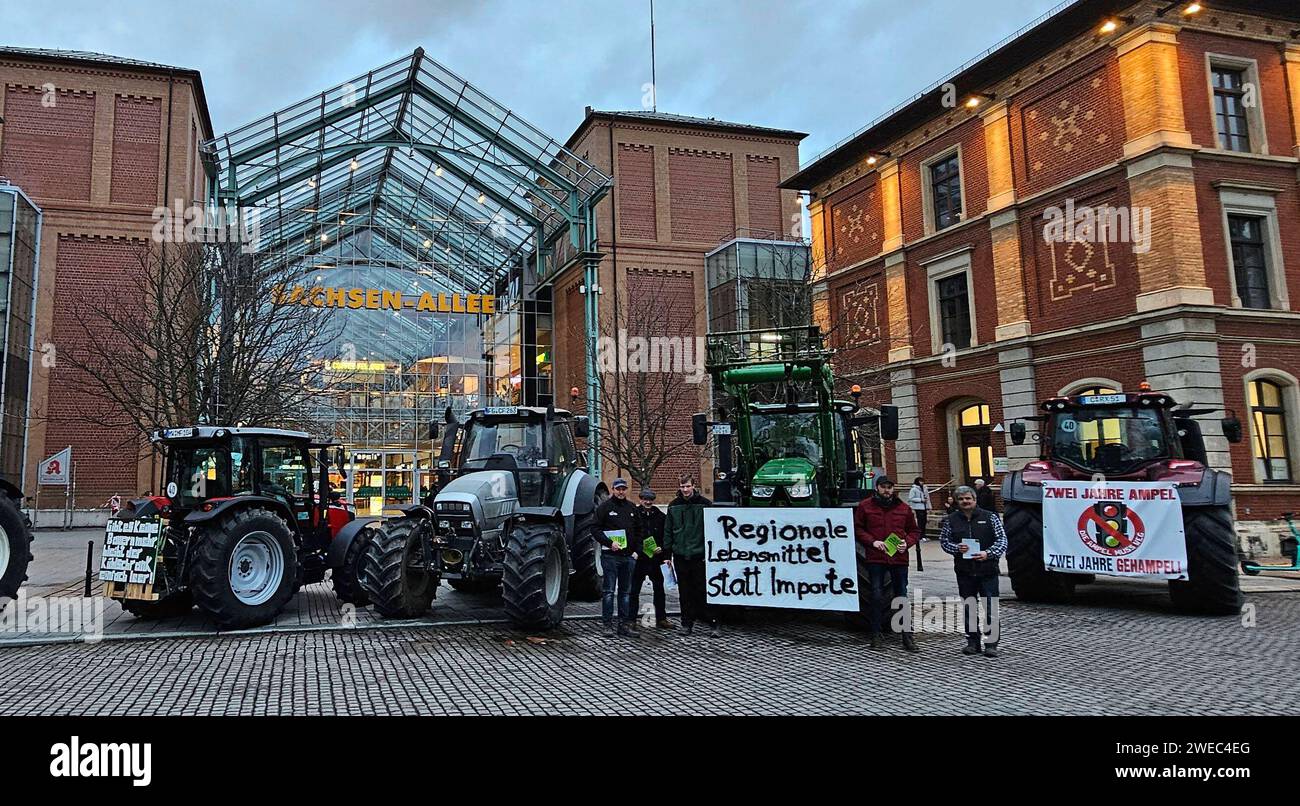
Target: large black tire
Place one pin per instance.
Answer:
(1031, 581)
(476, 585)
(588, 583)
(17, 549)
(178, 604)
(395, 589)
(347, 582)
(1212, 585)
(536, 582)
(214, 568)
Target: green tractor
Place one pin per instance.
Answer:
(514, 510)
(15, 541)
(795, 444)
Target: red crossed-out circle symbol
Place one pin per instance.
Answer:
(1101, 528)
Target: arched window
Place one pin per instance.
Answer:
(1271, 439)
(975, 438)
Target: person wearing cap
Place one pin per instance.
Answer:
(684, 545)
(875, 519)
(649, 563)
(616, 513)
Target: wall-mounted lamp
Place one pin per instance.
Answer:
(1112, 24)
(1188, 8)
(876, 156)
(979, 98)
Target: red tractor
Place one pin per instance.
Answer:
(246, 518)
(1141, 437)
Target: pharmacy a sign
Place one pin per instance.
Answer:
(55, 470)
(1114, 528)
(787, 557)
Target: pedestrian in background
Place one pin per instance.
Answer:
(649, 563)
(616, 514)
(684, 545)
(976, 531)
(875, 518)
(984, 496)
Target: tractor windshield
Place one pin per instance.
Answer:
(1109, 440)
(486, 438)
(780, 435)
(199, 472)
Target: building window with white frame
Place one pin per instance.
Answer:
(944, 178)
(1247, 234)
(1230, 118)
(1272, 440)
(952, 302)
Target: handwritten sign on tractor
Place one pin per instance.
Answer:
(789, 557)
(130, 553)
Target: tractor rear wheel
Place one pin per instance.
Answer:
(396, 588)
(347, 583)
(244, 569)
(178, 604)
(475, 585)
(588, 583)
(1212, 585)
(15, 548)
(1031, 581)
(536, 581)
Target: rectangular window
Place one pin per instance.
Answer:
(1249, 260)
(1230, 117)
(945, 191)
(954, 310)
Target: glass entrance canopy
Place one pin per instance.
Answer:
(411, 204)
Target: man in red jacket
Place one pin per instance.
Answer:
(875, 519)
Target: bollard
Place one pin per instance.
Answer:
(90, 561)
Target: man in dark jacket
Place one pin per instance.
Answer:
(617, 514)
(684, 545)
(976, 531)
(875, 519)
(649, 561)
(984, 496)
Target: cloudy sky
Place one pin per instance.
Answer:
(825, 67)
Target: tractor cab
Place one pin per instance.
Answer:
(1142, 436)
(535, 445)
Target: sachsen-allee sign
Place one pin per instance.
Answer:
(374, 299)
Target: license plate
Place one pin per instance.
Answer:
(503, 410)
(1102, 400)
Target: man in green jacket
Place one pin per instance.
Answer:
(684, 544)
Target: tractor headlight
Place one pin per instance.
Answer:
(444, 524)
(762, 492)
(467, 525)
(802, 489)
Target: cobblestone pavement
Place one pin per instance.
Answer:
(1117, 652)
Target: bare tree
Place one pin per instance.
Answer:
(198, 333)
(652, 380)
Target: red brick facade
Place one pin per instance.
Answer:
(87, 138)
(1122, 120)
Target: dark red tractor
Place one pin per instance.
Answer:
(1143, 437)
(246, 517)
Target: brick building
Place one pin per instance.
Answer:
(682, 186)
(98, 142)
(931, 242)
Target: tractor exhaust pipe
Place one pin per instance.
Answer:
(452, 557)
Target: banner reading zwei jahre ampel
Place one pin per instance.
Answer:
(1117, 528)
(793, 557)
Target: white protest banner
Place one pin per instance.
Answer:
(130, 554)
(54, 470)
(794, 557)
(1116, 528)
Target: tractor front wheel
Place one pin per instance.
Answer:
(391, 574)
(15, 548)
(1212, 585)
(536, 581)
(244, 569)
(347, 581)
(1030, 579)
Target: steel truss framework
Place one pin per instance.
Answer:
(417, 180)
